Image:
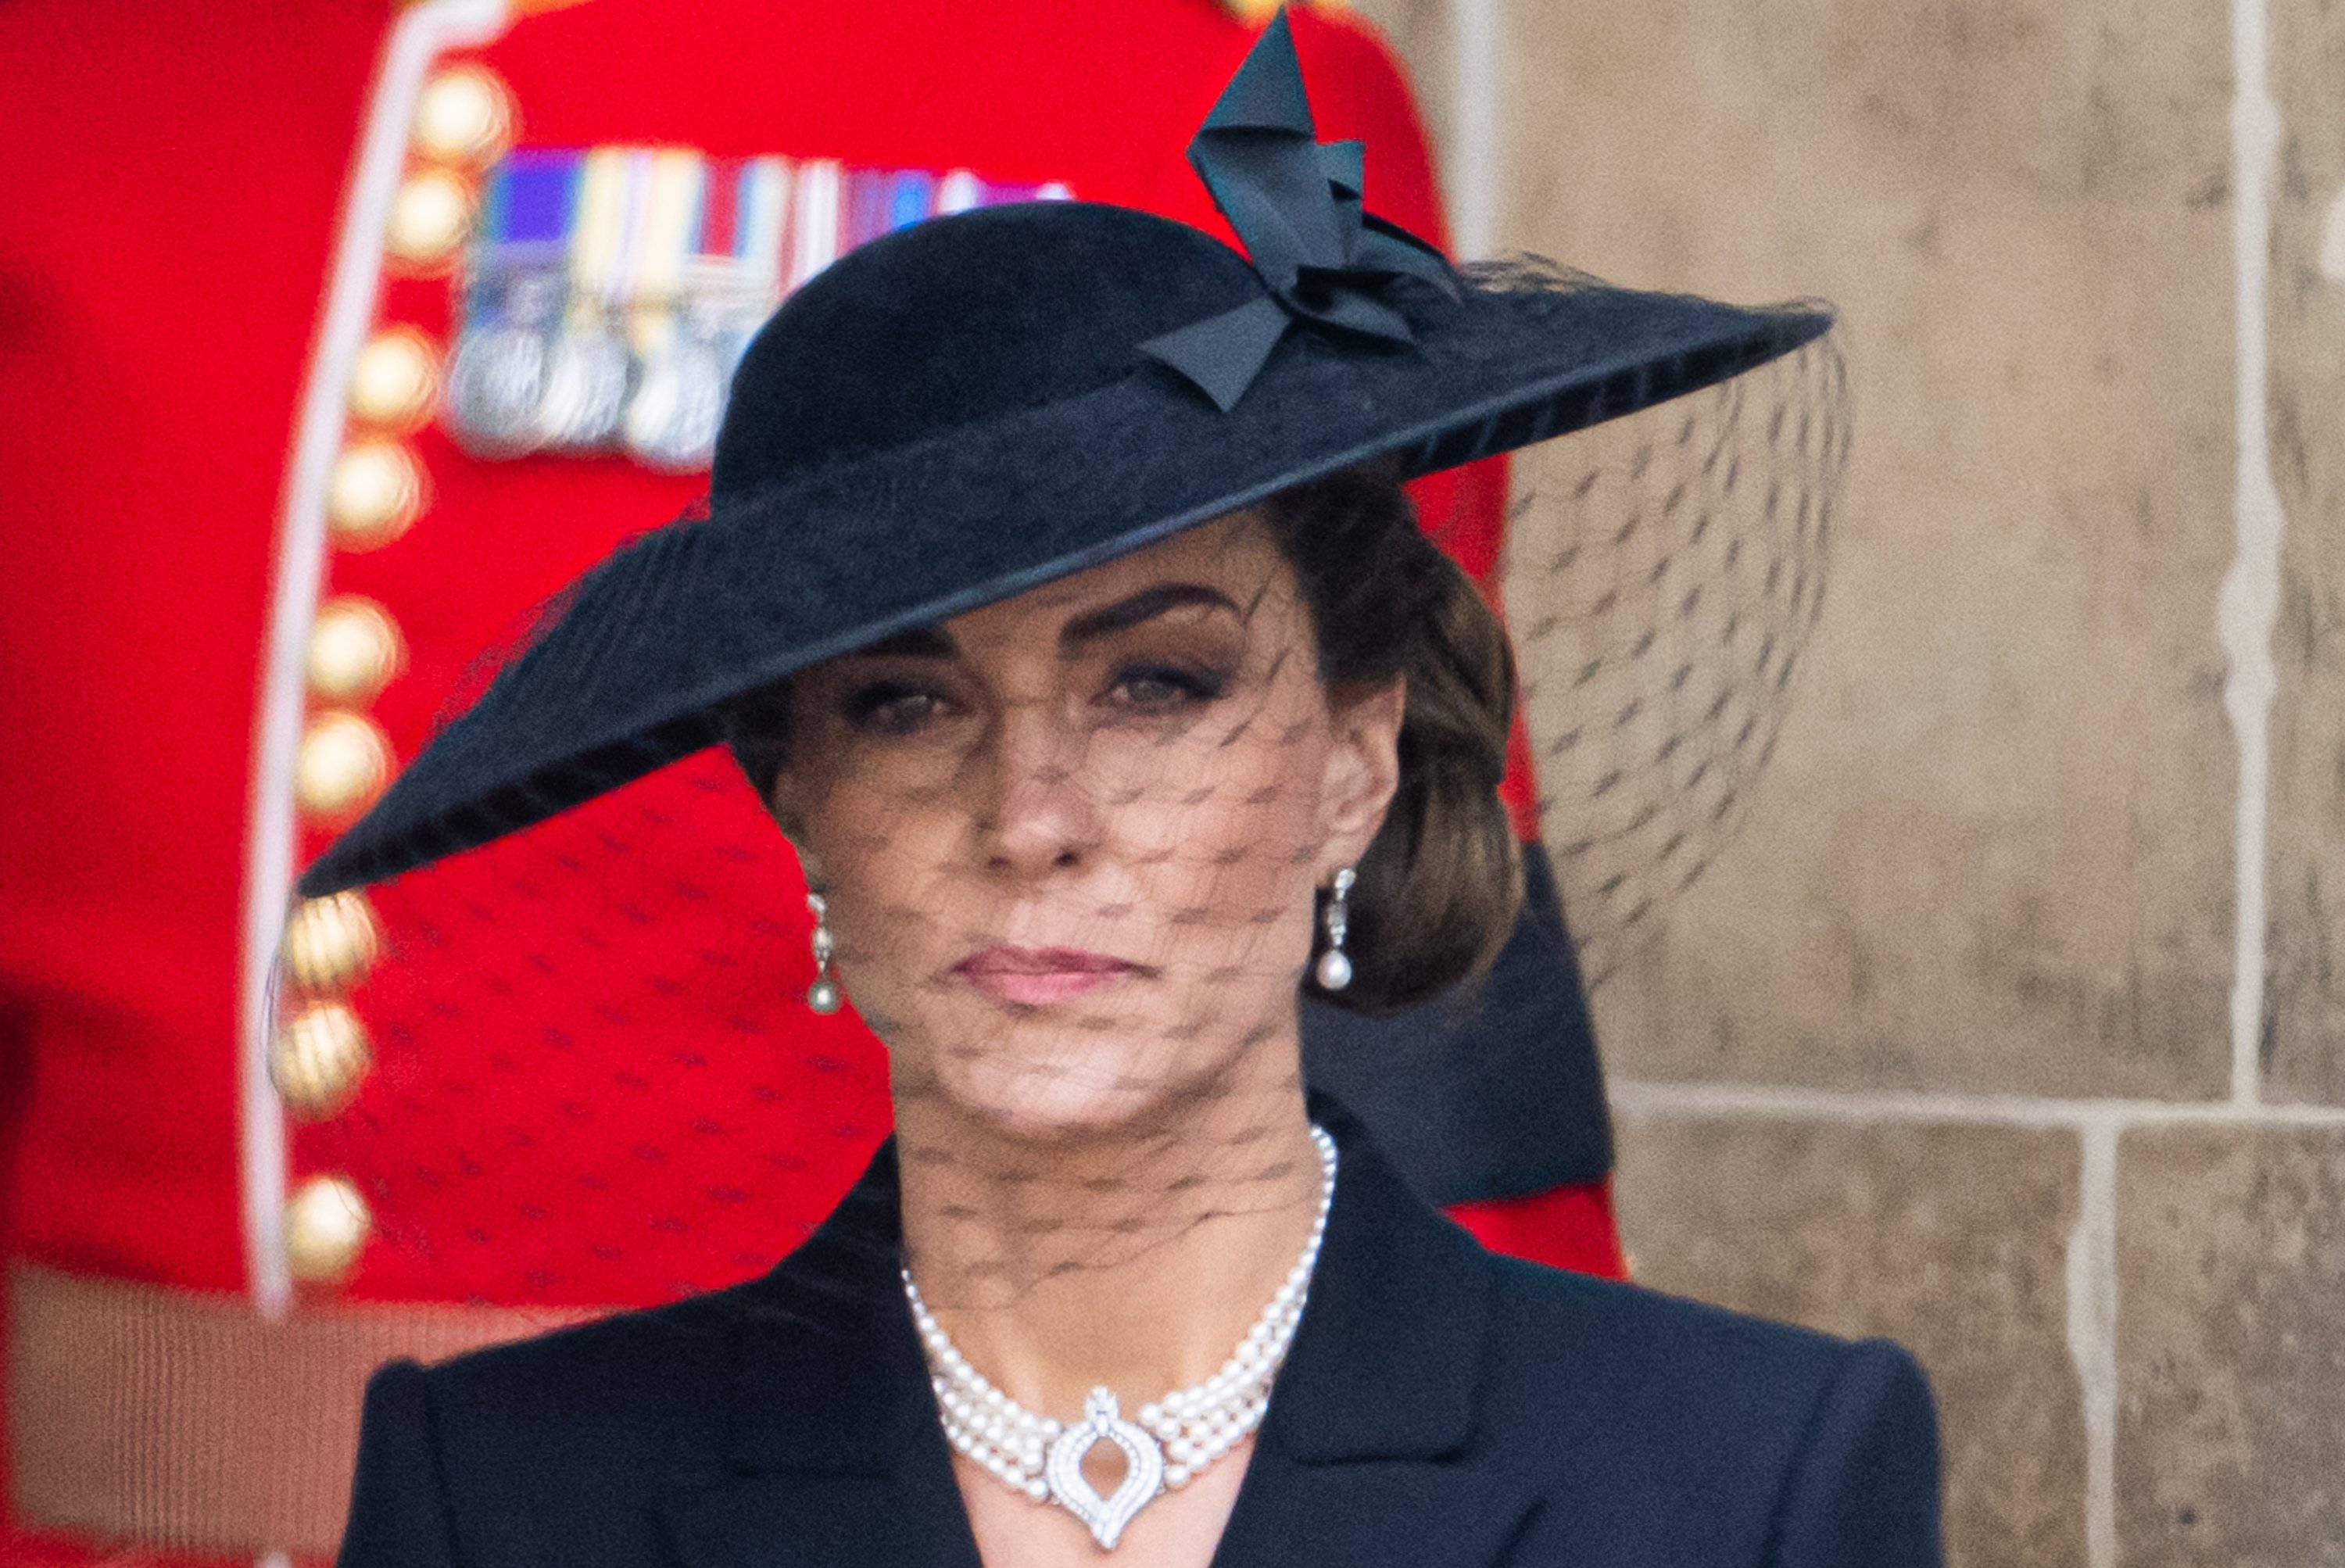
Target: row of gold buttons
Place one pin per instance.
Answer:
(320, 1056)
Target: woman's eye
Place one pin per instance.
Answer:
(890, 708)
(1156, 688)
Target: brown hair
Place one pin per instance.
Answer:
(1439, 886)
(1441, 882)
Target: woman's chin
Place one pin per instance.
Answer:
(1057, 1095)
(1042, 1113)
(1041, 1082)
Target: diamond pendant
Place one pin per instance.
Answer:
(1143, 1469)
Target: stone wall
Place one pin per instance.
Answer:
(2007, 1024)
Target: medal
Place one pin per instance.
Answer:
(514, 293)
(587, 376)
(611, 290)
(495, 385)
(672, 421)
(497, 379)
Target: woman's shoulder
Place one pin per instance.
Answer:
(637, 1363)
(568, 1437)
(1630, 1334)
(628, 1386)
(669, 1355)
(1827, 1444)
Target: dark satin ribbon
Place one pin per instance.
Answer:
(1297, 204)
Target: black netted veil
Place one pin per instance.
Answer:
(1662, 575)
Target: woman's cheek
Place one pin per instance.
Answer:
(1241, 851)
(889, 872)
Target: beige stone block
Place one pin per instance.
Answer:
(2231, 1356)
(1950, 1239)
(2305, 1038)
(1992, 849)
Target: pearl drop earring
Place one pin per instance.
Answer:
(822, 996)
(1335, 971)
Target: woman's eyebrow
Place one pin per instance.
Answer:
(1143, 606)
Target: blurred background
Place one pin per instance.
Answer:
(2008, 1026)
(2001, 1021)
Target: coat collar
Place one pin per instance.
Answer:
(830, 1452)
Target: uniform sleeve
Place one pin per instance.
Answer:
(399, 1509)
(1863, 1490)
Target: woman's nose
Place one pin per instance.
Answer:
(1038, 814)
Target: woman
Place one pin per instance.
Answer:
(1058, 596)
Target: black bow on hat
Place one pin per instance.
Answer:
(1295, 203)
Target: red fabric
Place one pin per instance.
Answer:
(543, 1021)
(172, 187)
(174, 172)
(1566, 1228)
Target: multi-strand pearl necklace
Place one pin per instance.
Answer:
(1175, 1438)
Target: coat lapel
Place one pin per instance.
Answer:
(829, 1454)
(1368, 1455)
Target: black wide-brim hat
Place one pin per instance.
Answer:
(968, 408)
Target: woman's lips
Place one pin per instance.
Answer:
(1037, 976)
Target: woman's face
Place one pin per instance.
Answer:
(1069, 842)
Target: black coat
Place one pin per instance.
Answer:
(1440, 1405)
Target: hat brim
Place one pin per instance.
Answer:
(627, 678)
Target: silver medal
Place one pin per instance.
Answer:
(586, 380)
(495, 383)
(496, 378)
(672, 419)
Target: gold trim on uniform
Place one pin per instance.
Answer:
(326, 1226)
(429, 218)
(330, 942)
(343, 763)
(318, 1059)
(375, 492)
(465, 115)
(396, 380)
(355, 650)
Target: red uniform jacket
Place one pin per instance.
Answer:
(591, 1082)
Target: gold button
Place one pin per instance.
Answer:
(375, 492)
(428, 218)
(318, 1059)
(464, 116)
(331, 942)
(355, 650)
(343, 764)
(395, 379)
(326, 1225)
